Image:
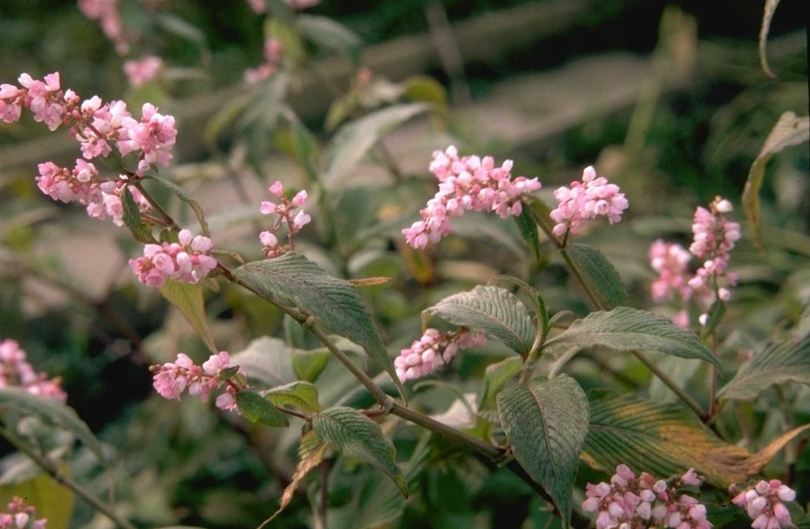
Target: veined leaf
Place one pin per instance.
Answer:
(627, 329)
(188, 299)
(493, 310)
(778, 362)
(353, 140)
(789, 130)
(355, 435)
(256, 408)
(528, 230)
(267, 361)
(301, 395)
(599, 274)
(546, 422)
(51, 411)
(665, 439)
(293, 280)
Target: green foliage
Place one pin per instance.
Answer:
(188, 299)
(599, 274)
(256, 408)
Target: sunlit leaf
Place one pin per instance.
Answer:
(493, 310)
(425, 89)
(301, 395)
(789, 130)
(355, 435)
(546, 422)
(267, 361)
(779, 362)
(188, 299)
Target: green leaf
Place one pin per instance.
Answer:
(281, 10)
(495, 377)
(528, 230)
(180, 193)
(716, 313)
(256, 408)
(301, 395)
(267, 361)
(355, 435)
(789, 130)
(546, 422)
(353, 140)
(53, 501)
(779, 362)
(188, 299)
(627, 329)
(327, 33)
(53, 412)
(309, 364)
(293, 280)
(132, 219)
(493, 310)
(770, 9)
(599, 274)
(666, 439)
(426, 89)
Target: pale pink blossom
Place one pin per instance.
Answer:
(154, 136)
(432, 350)
(15, 371)
(187, 261)
(764, 503)
(20, 516)
(142, 71)
(470, 183)
(287, 214)
(591, 198)
(171, 379)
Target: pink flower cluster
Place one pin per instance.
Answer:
(173, 378)
(764, 503)
(272, 57)
(187, 261)
(470, 183)
(21, 516)
(286, 214)
(142, 71)
(630, 502)
(714, 238)
(15, 371)
(106, 12)
(432, 350)
(588, 199)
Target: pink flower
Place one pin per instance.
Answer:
(15, 371)
(154, 135)
(21, 516)
(286, 215)
(432, 350)
(187, 262)
(171, 379)
(142, 71)
(470, 183)
(764, 503)
(588, 199)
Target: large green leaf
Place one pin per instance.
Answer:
(188, 299)
(778, 362)
(789, 130)
(546, 422)
(493, 310)
(355, 435)
(627, 329)
(353, 140)
(327, 33)
(293, 280)
(267, 361)
(256, 409)
(666, 439)
(51, 411)
(599, 274)
(301, 395)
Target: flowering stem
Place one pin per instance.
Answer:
(51, 469)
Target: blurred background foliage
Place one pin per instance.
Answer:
(695, 122)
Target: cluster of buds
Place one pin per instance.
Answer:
(764, 503)
(272, 60)
(186, 260)
(20, 516)
(470, 183)
(432, 350)
(591, 198)
(139, 72)
(173, 378)
(630, 502)
(714, 238)
(15, 371)
(287, 214)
